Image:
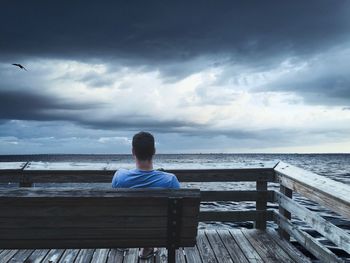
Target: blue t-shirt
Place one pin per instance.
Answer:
(136, 178)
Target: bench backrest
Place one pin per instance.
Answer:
(98, 218)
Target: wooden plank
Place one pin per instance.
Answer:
(91, 233)
(192, 254)
(236, 195)
(84, 256)
(54, 255)
(162, 256)
(69, 255)
(307, 241)
(234, 216)
(131, 256)
(332, 194)
(6, 255)
(39, 172)
(79, 222)
(98, 192)
(88, 243)
(21, 256)
(100, 255)
(335, 234)
(115, 255)
(261, 203)
(232, 247)
(291, 250)
(248, 250)
(49, 208)
(204, 248)
(266, 247)
(289, 193)
(180, 255)
(218, 247)
(38, 255)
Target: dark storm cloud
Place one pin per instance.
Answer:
(24, 105)
(154, 32)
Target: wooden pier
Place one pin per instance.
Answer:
(260, 244)
(221, 246)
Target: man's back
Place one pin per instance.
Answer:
(136, 178)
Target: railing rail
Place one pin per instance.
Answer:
(324, 191)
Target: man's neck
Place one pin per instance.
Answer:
(144, 165)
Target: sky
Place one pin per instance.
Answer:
(202, 76)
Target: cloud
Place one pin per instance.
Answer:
(200, 75)
(157, 33)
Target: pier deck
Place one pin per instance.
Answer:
(236, 245)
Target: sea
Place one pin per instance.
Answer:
(334, 166)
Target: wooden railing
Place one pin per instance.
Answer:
(326, 192)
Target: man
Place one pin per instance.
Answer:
(144, 176)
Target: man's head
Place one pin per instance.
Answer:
(143, 146)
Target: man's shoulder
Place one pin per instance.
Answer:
(165, 174)
(171, 179)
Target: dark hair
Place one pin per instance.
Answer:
(143, 146)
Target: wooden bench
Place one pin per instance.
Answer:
(98, 218)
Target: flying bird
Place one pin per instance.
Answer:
(20, 66)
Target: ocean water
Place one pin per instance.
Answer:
(334, 166)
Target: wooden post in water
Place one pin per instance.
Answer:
(289, 193)
(261, 203)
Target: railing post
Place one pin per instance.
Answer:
(289, 193)
(261, 203)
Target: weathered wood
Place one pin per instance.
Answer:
(335, 234)
(289, 193)
(38, 255)
(162, 256)
(267, 248)
(248, 250)
(6, 255)
(100, 256)
(91, 233)
(80, 221)
(261, 203)
(54, 255)
(291, 250)
(89, 243)
(205, 249)
(131, 255)
(84, 219)
(218, 247)
(236, 196)
(115, 255)
(21, 256)
(308, 242)
(232, 247)
(192, 254)
(85, 255)
(235, 216)
(69, 255)
(97, 192)
(41, 172)
(332, 194)
(180, 256)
